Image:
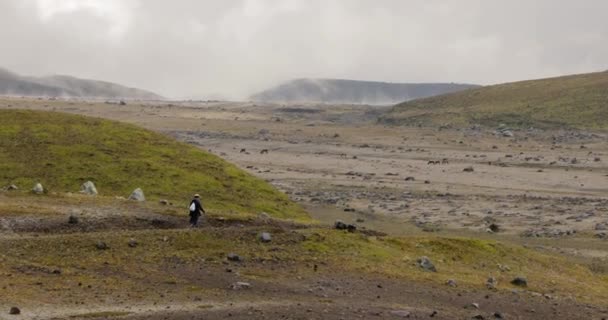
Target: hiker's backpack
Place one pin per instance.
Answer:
(192, 207)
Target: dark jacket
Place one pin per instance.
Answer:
(199, 207)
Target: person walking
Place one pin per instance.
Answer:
(196, 210)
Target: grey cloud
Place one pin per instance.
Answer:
(190, 48)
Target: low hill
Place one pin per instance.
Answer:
(62, 151)
(575, 101)
(354, 92)
(13, 84)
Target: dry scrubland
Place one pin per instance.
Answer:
(152, 266)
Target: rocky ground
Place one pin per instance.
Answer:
(546, 190)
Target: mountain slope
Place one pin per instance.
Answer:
(62, 151)
(578, 101)
(67, 86)
(354, 92)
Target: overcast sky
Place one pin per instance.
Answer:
(194, 48)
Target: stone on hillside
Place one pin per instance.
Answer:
(102, 246)
(133, 243)
(401, 313)
(507, 134)
(164, 202)
(137, 195)
(340, 225)
(38, 189)
(601, 227)
(14, 311)
(88, 188)
(234, 257)
(265, 237)
(491, 283)
(263, 131)
(240, 285)
(494, 227)
(520, 282)
(468, 169)
(73, 220)
(451, 283)
(12, 187)
(426, 264)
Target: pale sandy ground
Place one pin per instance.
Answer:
(330, 158)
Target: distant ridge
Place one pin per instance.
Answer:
(573, 101)
(354, 91)
(12, 84)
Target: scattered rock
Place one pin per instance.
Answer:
(410, 179)
(520, 282)
(102, 246)
(137, 195)
(547, 233)
(88, 188)
(494, 227)
(263, 131)
(234, 257)
(14, 311)
(164, 202)
(507, 134)
(265, 237)
(339, 225)
(11, 187)
(426, 264)
(451, 283)
(468, 169)
(498, 315)
(401, 313)
(240, 285)
(478, 317)
(351, 228)
(601, 227)
(38, 189)
(133, 243)
(491, 283)
(73, 220)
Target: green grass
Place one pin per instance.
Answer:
(577, 101)
(136, 270)
(62, 151)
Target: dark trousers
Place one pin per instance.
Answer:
(194, 219)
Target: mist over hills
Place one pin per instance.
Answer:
(354, 91)
(12, 84)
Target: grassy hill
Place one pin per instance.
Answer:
(62, 151)
(576, 101)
